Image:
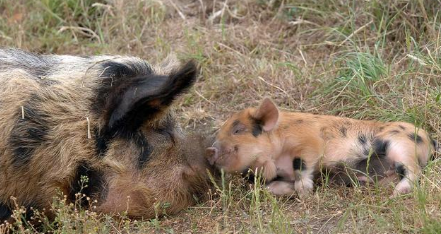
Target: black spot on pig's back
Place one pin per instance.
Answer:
(29, 132)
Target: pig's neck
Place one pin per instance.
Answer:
(283, 144)
(278, 145)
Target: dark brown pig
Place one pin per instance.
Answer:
(105, 118)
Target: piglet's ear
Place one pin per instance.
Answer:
(147, 96)
(267, 114)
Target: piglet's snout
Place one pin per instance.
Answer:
(212, 154)
(219, 153)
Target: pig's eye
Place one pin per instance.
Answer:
(165, 132)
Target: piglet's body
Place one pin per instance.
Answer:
(291, 148)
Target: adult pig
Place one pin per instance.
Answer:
(99, 126)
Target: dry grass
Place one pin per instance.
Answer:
(362, 59)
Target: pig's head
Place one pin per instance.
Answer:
(244, 138)
(149, 165)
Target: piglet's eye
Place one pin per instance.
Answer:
(238, 130)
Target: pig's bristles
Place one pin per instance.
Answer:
(88, 128)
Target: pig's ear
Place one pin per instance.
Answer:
(145, 97)
(267, 114)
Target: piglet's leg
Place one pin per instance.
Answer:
(266, 168)
(304, 183)
(280, 188)
(304, 174)
(269, 170)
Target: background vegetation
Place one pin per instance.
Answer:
(366, 59)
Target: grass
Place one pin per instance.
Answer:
(361, 59)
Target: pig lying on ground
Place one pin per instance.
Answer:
(291, 148)
(104, 117)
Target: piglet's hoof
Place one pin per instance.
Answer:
(281, 188)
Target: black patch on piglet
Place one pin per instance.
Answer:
(298, 164)
(257, 130)
(256, 127)
(400, 170)
(380, 147)
(415, 138)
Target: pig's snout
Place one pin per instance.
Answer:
(219, 154)
(212, 154)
